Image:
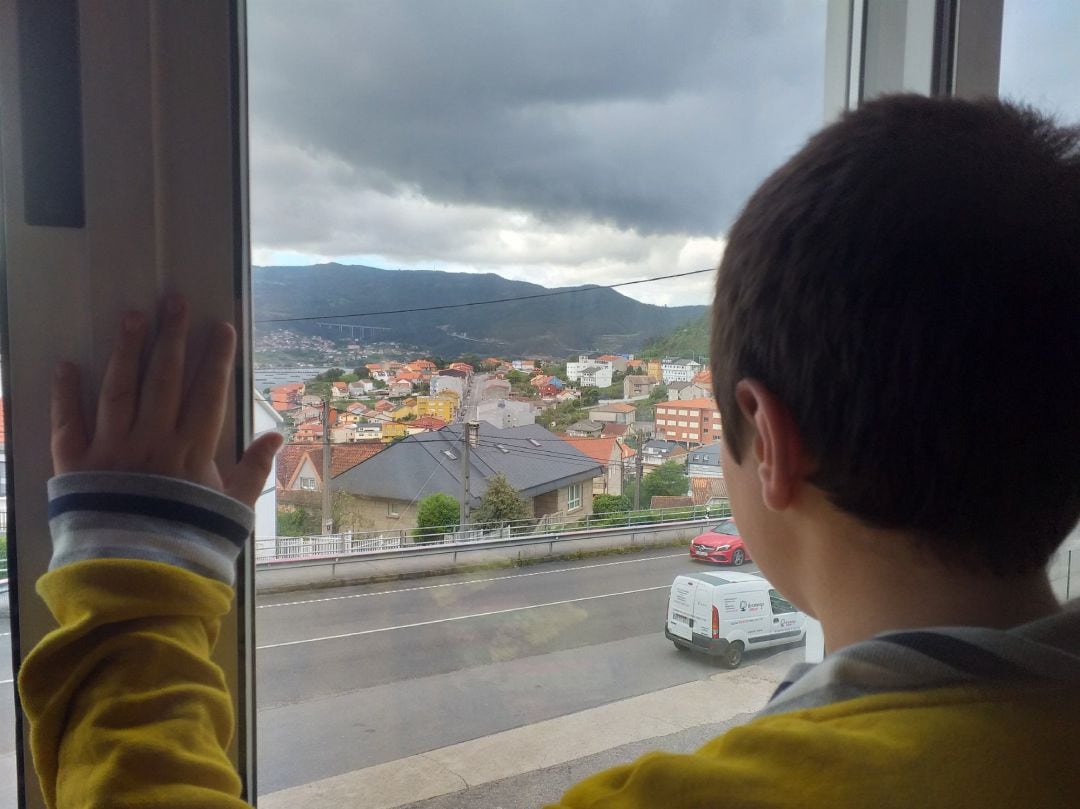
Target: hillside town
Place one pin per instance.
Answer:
(595, 434)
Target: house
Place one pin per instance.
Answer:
(617, 412)
(618, 364)
(709, 491)
(662, 501)
(399, 388)
(598, 376)
(339, 390)
(444, 382)
(646, 429)
(654, 369)
(361, 387)
(300, 469)
(549, 391)
(309, 432)
(392, 430)
(286, 397)
(526, 366)
(503, 413)
(657, 452)
(264, 419)
(441, 407)
(703, 378)
(367, 431)
(552, 477)
(678, 370)
(585, 429)
(540, 380)
(704, 462)
(637, 386)
(422, 366)
(383, 406)
(424, 424)
(495, 389)
(404, 412)
(613, 430)
(688, 390)
(612, 454)
(633, 365)
(462, 366)
(693, 421)
(584, 361)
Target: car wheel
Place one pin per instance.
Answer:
(738, 557)
(732, 656)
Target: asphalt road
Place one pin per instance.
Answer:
(352, 678)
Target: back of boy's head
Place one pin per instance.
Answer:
(908, 285)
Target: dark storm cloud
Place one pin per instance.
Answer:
(653, 116)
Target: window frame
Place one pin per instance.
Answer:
(185, 129)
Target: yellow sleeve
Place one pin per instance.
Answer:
(124, 704)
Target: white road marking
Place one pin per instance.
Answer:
(461, 583)
(460, 618)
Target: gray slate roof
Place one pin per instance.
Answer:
(532, 459)
(708, 455)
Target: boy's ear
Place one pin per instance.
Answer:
(776, 449)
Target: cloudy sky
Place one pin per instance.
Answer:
(560, 142)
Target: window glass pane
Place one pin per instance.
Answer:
(8, 794)
(411, 163)
(1039, 57)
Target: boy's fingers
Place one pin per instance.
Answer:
(120, 386)
(69, 440)
(203, 411)
(249, 478)
(163, 382)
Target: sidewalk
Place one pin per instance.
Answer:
(692, 711)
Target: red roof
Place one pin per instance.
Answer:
(599, 449)
(690, 404)
(427, 422)
(614, 430)
(702, 377)
(343, 457)
(383, 405)
(704, 489)
(616, 407)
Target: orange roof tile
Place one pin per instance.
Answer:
(599, 449)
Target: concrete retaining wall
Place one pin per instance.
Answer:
(271, 577)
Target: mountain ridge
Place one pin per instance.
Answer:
(585, 318)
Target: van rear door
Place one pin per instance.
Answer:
(681, 607)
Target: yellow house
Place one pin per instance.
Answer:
(404, 412)
(441, 406)
(392, 430)
(654, 370)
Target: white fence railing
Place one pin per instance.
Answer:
(272, 550)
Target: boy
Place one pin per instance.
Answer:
(896, 353)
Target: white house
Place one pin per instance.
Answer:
(440, 383)
(503, 413)
(265, 419)
(679, 370)
(597, 375)
(574, 369)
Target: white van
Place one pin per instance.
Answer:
(724, 613)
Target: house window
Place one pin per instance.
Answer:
(308, 484)
(573, 497)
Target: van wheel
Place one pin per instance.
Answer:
(732, 656)
(682, 647)
(738, 557)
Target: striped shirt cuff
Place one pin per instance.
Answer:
(121, 515)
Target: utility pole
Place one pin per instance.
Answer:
(470, 437)
(327, 516)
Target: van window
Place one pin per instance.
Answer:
(780, 604)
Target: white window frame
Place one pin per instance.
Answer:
(573, 497)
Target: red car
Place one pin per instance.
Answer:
(721, 544)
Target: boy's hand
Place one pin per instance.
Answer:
(153, 426)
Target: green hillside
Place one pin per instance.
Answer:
(690, 340)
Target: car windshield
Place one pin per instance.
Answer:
(726, 527)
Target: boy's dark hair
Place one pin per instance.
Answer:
(908, 285)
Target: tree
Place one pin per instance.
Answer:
(589, 396)
(362, 372)
(667, 479)
(500, 503)
(297, 522)
(437, 514)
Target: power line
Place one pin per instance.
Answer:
(484, 303)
